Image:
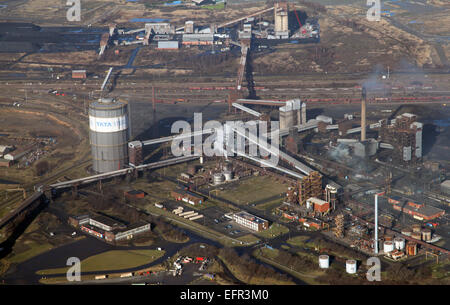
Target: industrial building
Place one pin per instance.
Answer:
(186, 196)
(168, 45)
(108, 124)
(198, 39)
(317, 204)
(420, 210)
(18, 153)
(5, 163)
(250, 221)
(135, 153)
(79, 74)
(405, 135)
(106, 228)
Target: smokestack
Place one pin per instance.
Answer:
(376, 225)
(363, 114)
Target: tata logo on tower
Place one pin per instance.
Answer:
(108, 124)
(105, 124)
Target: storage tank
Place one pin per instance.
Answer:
(350, 266)
(416, 228)
(399, 243)
(228, 175)
(108, 124)
(426, 234)
(416, 235)
(388, 246)
(218, 178)
(324, 261)
(406, 232)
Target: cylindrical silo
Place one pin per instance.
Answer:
(228, 175)
(416, 228)
(324, 261)
(416, 235)
(399, 243)
(388, 246)
(350, 266)
(406, 232)
(108, 124)
(426, 234)
(218, 178)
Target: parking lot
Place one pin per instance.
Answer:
(213, 217)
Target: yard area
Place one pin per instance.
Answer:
(300, 241)
(254, 190)
(113, 260)
(274, 230)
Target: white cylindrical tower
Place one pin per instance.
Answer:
(324, 261)
(399, 243)
(388, 246)
(108, 124)
(350, 266)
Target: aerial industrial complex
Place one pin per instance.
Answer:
(311, 175)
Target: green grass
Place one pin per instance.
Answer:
(269, 205)
(236, 271)
(249, 238)
(269, 256)
(254, 189)
(112, 260)
(299, 241)
(35, 249)
(273, 231)
(218, 6)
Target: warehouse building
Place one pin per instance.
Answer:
(5, 163)
(198, 39)
(317, 204)
(250, 221)
(420, 211)
(79, 74)
(19, 153)
(168, 45)
(129, 233)
(106, 228)
(106, 223)
(186, 196)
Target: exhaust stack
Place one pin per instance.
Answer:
(363, 114)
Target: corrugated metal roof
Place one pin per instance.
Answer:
(168, 44)
(198, 37)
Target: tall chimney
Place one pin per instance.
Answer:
(376, 225)
(363, 114)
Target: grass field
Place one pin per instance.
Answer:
(253, 190)
(253, 281)
(35, 249)
(273, 231)
(112, 260)
(299, 241)
(269, 256)
(269, 205)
